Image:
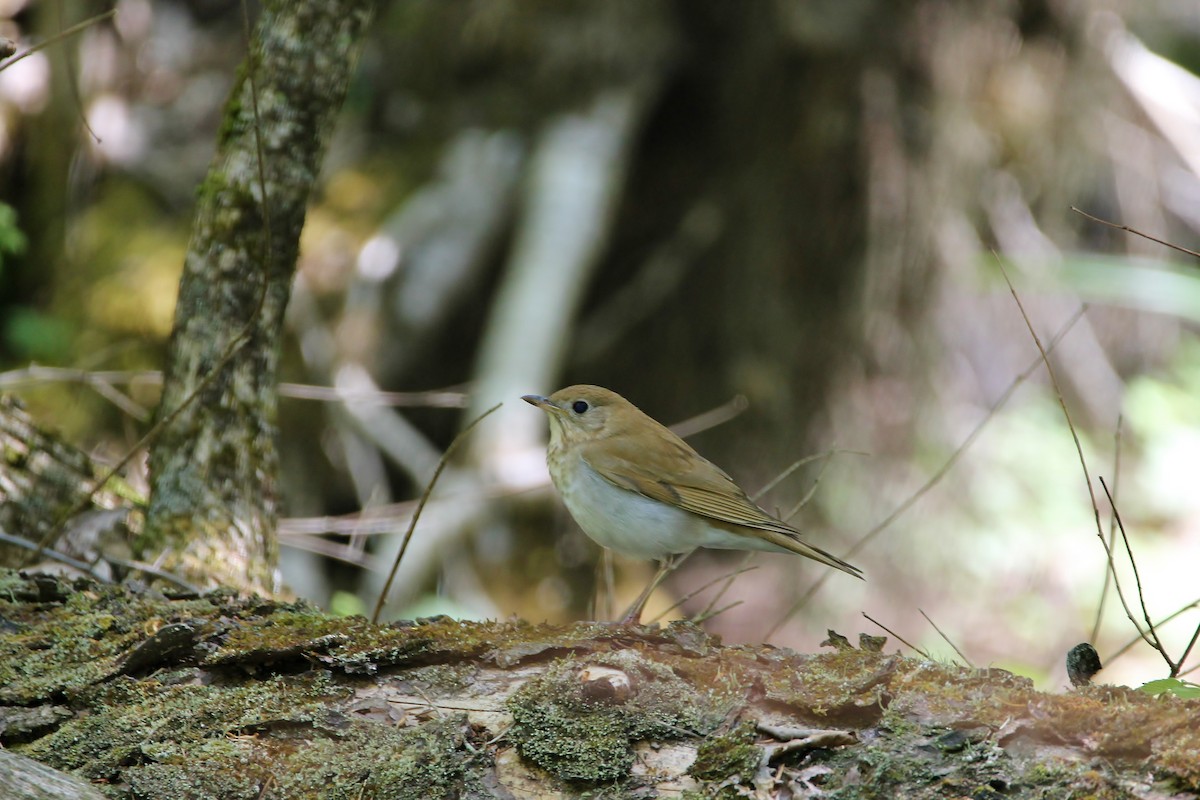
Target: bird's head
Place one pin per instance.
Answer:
(584, 413)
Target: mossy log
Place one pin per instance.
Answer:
(149, 694)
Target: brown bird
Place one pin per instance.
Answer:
(639, 489)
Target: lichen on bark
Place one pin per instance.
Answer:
(213, 504)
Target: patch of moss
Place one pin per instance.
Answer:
(361, 760)
(381, 762)
(577, 737)
(200, 742)
(58, 648)
(135, 722)
(723, 756)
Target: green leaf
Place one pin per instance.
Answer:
(1182, 689)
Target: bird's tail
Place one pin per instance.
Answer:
(794, 544)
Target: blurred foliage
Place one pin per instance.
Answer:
(35, 336)
(12, 240)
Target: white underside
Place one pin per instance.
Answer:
(637, 526)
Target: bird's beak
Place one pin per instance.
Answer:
(544, 403)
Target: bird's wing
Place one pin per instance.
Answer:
(674, 473)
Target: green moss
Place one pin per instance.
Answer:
(734, 753)
(139, 721)
(199, 742)
(577, 737)
(64, 647)
(382, 762)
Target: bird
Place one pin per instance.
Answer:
(635, 487)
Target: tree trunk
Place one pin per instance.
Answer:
(213, 503)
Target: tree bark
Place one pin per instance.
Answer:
(213, 505)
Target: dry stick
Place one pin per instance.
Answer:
(934, 479)
(71, 31)
(104, 379)
(781, 477)
(387, 586)
(1136, 232)
(1126, 647)
(723, 577)
(898, 637)
(729, 578)
(1156, 643)
(711, 418)
(705, 617)
(51, 554)
(235, 344)
(812, 490)
(1112, 530)
(94, 380)
(87, 569)
(1082, 461)
(941, 633)
(150, 569)
(334, 550)
(1188, 651)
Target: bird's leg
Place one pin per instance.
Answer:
(634, 615)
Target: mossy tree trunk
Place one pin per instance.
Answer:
(214, 466)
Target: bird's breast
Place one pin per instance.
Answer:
(623, 520)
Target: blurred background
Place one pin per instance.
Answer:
(779, 223)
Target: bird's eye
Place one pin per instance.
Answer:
(579, 406)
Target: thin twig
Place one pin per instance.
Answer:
(51, 554)
(1058, 393)
(35, 374)
(1112, 531)
(812, 490)
(700, 619)
(387, 586)
(699, 589)
(1187, 651)
(898, 637)
(942, 633)
(934, 479)
(716, 598)
(71, 31)
(1154, 642)
(150, 569)
(335, 550)
(712, 418)
(1136, 232)
(1082, 460)
(1159, 624)
(88, 569)
(781, 477)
